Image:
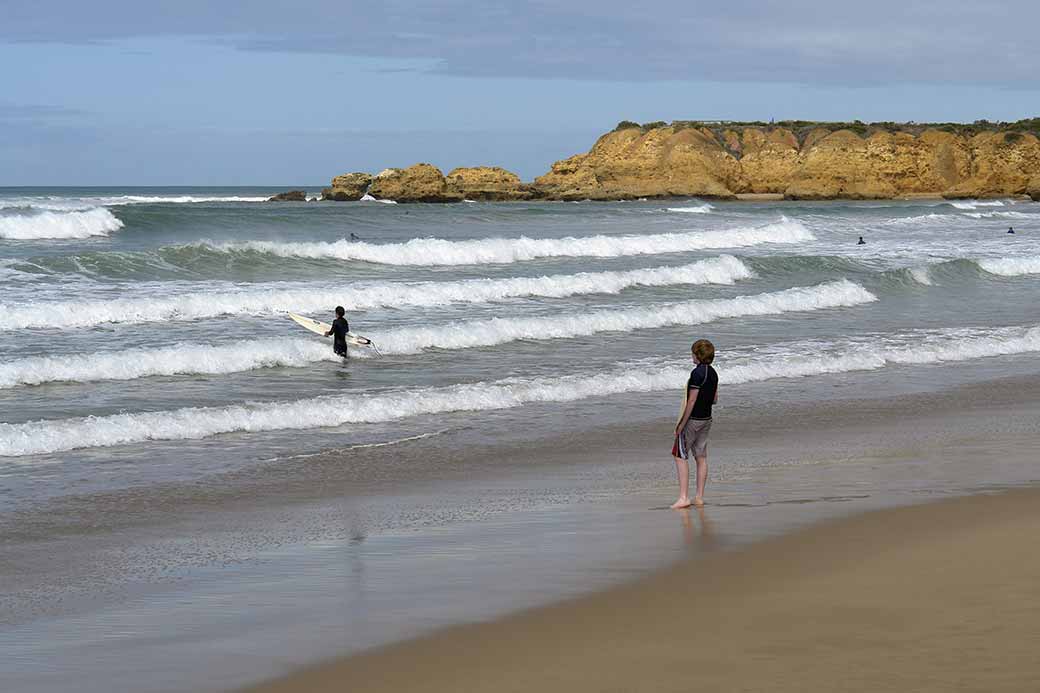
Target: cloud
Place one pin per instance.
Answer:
(37, 113)
(809, 41)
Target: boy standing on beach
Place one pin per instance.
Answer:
(691, 433)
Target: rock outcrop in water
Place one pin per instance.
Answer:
(350, 187)
(798, 161)
(489, 183)
(418, 183)
(289, 196)
(1033, 188)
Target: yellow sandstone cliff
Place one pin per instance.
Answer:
(822, 164)
(803, 162)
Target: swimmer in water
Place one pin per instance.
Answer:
(1011, 229)
(861, 241)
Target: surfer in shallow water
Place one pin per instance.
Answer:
(339, 330)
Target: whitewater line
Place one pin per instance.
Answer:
(1011, 266)
(55, 225)
(724, 269)
(438, 251)
(42, 437)
(176, 359)
(199, 359)
(494, 331)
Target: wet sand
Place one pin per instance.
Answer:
(937, 597)
(252, 575)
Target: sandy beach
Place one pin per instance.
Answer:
(316, 560)
(939, 597)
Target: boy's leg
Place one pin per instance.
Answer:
(702, 478)
(682, 467)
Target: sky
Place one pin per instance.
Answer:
(113, 92)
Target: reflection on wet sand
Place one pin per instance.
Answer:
(702, 535)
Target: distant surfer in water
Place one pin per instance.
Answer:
(1011, 229)
(339, 330)
(861, 241)
(691, 433)
(354, 237)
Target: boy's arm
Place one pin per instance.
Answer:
(691, 399)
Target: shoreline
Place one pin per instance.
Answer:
(924, 597)
(561, 518)
(737, 197)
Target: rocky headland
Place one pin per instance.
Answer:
(788, 160)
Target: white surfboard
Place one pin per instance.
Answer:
(323, 327)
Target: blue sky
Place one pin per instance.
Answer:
(273, 93)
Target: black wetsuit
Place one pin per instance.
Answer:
(340, 327)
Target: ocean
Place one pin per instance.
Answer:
(144, 342)
(151, 323)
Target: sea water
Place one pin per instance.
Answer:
(149, 325)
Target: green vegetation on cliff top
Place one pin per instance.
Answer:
(802, 127)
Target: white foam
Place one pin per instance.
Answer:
(922, 219)
(436, 251)
(58, 225)
(42, 437)
(951, 347)
(1003, 215)
(975, 204)
(1011, 266)
(921, 275)
(82, 203)
(276, 298)
(483, 333)
(368, 198)
(699, 209)
(190, 358)
(177, 359)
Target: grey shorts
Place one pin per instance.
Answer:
(693, 441)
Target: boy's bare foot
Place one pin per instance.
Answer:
(698, 502)
(681, 503)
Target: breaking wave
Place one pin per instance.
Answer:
(437, 251)
(25, 224)
(368, 198)
(189, 358)
(1011, 266)
(975, 204)
(483, 333)
(196, 305)
(1003, 215)
(179, 359)
(921, 275)
(9, 273)
(42, 437)
(699, 209)
(84, 203)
